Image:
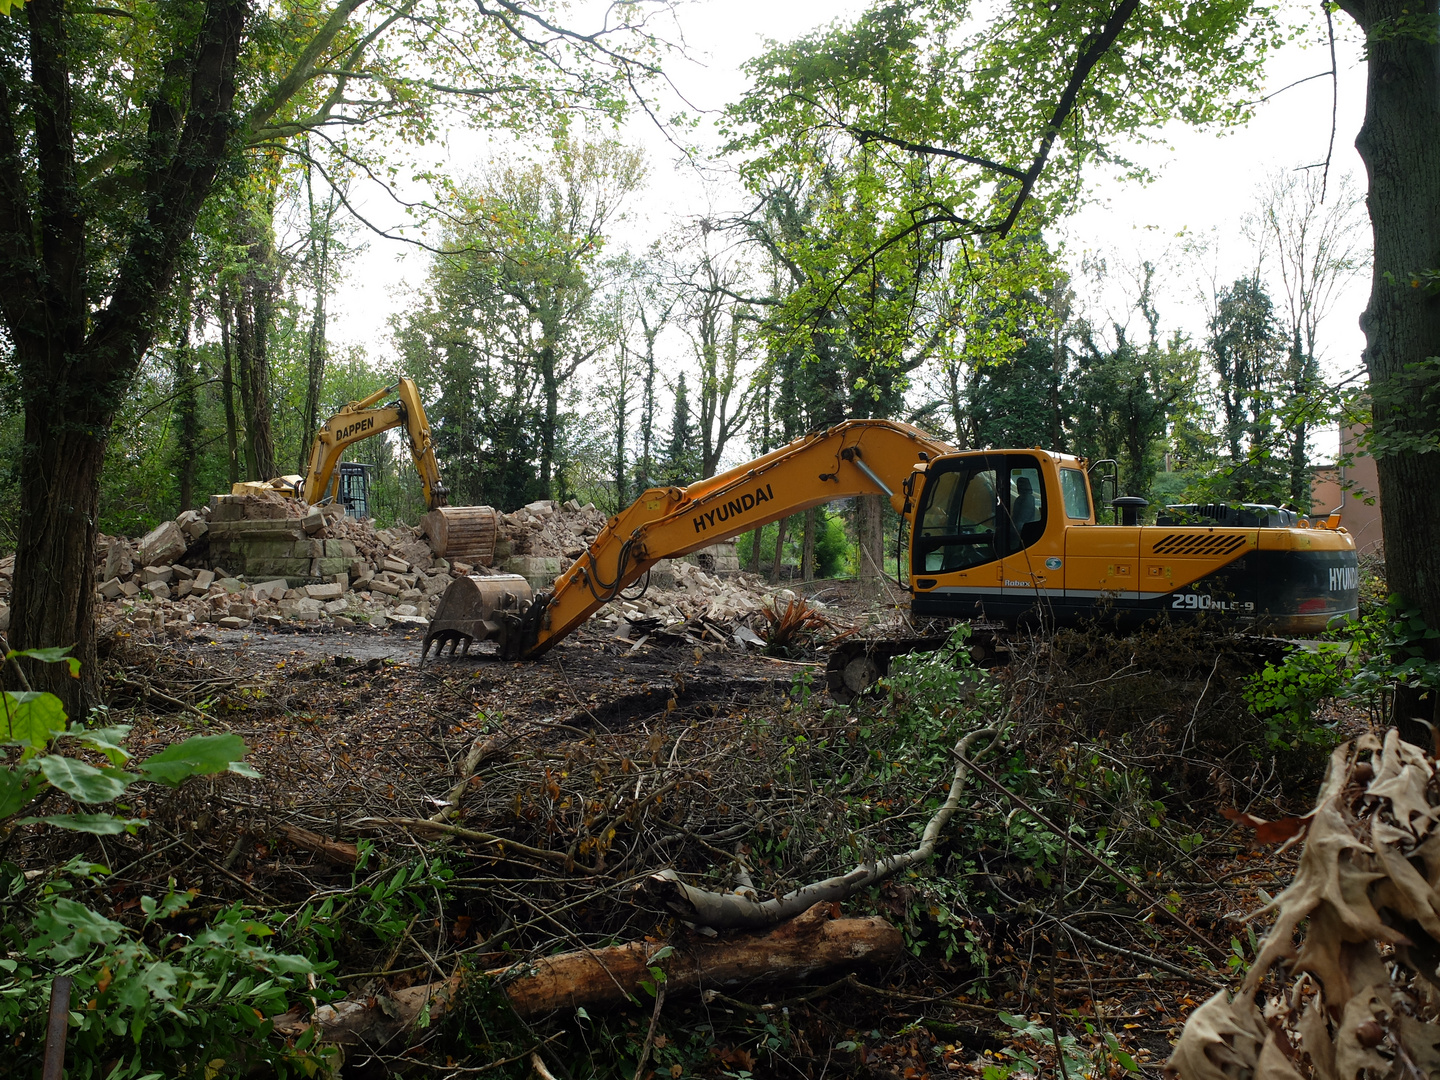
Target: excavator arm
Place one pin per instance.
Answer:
(858, 457)
(362, 419)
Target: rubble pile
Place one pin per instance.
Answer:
(248, 560)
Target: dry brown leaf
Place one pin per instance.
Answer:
(1315, 1039)
(1352, 1056)
(1267, 832)
(1221, 1041)
(1274, 1063)
(1403, 779)
(1422, 1042)
(1408, 892)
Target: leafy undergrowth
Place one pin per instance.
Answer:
(1088, 895)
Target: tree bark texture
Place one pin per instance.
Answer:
(871, 547)
(796, 950)
(76, 354)
(1399, 142)
(807, 545)
(227, 384)
(187, 406)
(253, 316)
(778, 562)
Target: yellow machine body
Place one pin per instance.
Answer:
(1002, 534)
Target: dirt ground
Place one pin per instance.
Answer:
(620, 760)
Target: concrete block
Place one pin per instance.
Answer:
(151, 574)
(269, 590)
(159, 590)
(389, 588)
(224, 508)
(313, 522)
(241, 611)
(162, 545)
(433, 586)
(183, 573)
(410, 595)
(233, 585)
(336, 607)
(233, 622)
(183, 589)
(407, 609)
(204, 579)
(129, 589)
(343, 580)
(119, 561)
(328, 591)
(395, 566)
(111, 589)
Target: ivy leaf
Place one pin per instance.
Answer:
(200, 755)
(18, 787)
(97, 824)
(32, 718)
(82, 782)
(110, 741)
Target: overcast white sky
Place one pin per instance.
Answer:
(1207, 181)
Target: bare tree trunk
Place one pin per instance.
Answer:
(601, 978)
(252, 324)
(779, 550)
(755, 555)
(807, 545)
(187, 404)
(227, 385)
(871, 543)
(315, 358)
(1399, 142)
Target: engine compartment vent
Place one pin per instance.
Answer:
(1198, 543)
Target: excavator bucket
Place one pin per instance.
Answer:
(476, 609)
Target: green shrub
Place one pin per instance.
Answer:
(146, 1001)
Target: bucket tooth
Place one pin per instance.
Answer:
(475, 609)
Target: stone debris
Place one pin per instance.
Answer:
(266, 560)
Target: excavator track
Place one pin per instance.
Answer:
(856, 666)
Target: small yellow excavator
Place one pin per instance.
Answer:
(1003, 535)
(466, 532)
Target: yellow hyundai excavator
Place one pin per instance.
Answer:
(1004, 535)
(456, 531)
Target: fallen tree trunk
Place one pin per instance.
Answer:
(795, 950)
(336, 851)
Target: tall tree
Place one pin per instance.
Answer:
(1314, 229)
(680, 464)
(1248, 351)
(114, 124)
(1399, 142)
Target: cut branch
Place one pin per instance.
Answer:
(724, 910)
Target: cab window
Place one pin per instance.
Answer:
(956, 524)
(1024, 503)
(1076, 492)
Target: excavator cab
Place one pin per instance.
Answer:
(1013, 536)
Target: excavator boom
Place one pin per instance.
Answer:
(857, 457)
(362, 419)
